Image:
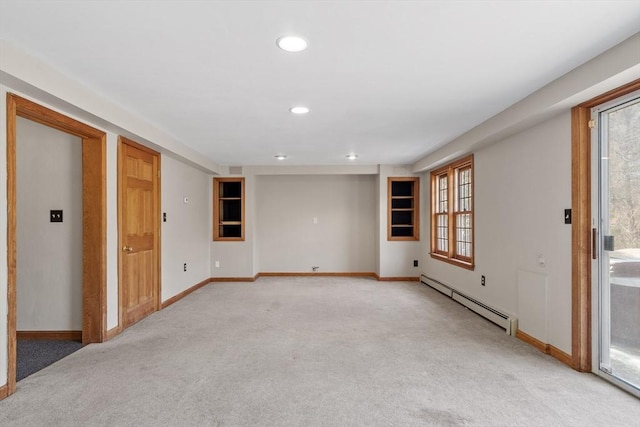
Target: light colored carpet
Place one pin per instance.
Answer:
(315, 352)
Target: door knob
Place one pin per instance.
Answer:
(127, 249)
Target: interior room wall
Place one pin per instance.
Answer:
(186, 234)
(522, 186)
(113, 247)
(316, 220)
(49, 254)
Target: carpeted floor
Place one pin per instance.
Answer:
(315, 352)
(34, 355)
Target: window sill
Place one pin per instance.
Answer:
(453, 261)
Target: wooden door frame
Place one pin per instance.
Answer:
(581, 240)
(157, 202)
(94, 221)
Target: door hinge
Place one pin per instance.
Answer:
(592, 124)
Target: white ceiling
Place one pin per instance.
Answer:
(389, 80)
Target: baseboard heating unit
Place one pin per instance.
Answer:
(506, 321)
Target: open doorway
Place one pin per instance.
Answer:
(93, 312)
(49, 245)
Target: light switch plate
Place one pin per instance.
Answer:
(55, 215)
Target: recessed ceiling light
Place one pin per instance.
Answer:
(352, 156)
(299, 110)
(292, 43)
(280, 156)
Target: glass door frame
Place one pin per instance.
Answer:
(600, 304)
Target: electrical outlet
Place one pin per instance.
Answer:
(185, 266)
(483, 281)
(217, 264)
(415, 262)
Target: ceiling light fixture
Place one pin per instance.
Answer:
(292, 43)
(280, 156)
(352, 156)
(299, 110)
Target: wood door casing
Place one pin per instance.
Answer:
(581, 229)
(139, 232)
(94, 223)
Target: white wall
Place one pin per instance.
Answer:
(522, 186)
(395, 258)
(49, 255)
(187, 233)
(343, 240)
(113, 248)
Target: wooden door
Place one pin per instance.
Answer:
(139, 232)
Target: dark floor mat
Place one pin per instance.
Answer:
(34, 355)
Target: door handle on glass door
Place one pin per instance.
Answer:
(608, 243)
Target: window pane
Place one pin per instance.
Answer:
(442, 195)
(463, 235)
(464, 189)
(442, 240)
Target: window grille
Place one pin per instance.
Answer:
(452, 213)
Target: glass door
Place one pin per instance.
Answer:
(617, 238)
